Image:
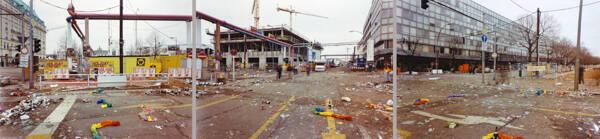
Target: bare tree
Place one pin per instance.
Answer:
(563, 50)
(154, 41)
(527, 29)
(411, 45)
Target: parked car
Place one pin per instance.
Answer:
(320, 66)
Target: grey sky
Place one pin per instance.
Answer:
(344, 15)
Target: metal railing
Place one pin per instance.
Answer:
(91, 79)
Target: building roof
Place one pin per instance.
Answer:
(24, 8)
(276, 28)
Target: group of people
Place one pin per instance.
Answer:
(291, 69)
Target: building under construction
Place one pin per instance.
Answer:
(258, 54)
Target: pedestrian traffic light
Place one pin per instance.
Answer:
(18, 48)
(424, 4)
(37, 45)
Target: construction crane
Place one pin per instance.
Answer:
(256, 12)
(293, 11)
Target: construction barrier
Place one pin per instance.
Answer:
(182, 73)
(57, 73)
(144, 72)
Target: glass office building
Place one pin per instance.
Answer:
(440, 33)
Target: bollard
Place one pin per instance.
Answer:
(88, 79)
(41, 83)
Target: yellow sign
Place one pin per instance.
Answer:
(54, 69)
(536, 68)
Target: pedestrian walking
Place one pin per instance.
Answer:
(279, 70)
(387, 72)
(308, 69)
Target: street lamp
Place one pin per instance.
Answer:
(439, 44)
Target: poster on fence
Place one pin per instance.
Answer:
(56, 69)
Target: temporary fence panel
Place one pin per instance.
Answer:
(182, 73)
(57, 73)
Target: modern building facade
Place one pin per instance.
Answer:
(440, 37)
(262, 55)
(12, 27)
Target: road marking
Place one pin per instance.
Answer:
(163, 106)
(568, 113)
(332, 134)
(271, 119)
(47, 128)
(363, 132)
(467, 119)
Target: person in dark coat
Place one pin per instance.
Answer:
(308, 69)
(279, 70)
(581, 71)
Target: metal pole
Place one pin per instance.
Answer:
(120, 36)
(395, 79)
(483, 46)
(136, 31)
(537, 40)
(233, 67)
(31, 51)
(577, 62)
(194, 58)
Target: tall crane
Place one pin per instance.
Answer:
(293, 12)
(256, 12)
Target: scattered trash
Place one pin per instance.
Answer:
(434, 78)
(456, 95)
(318, 109)
(283, 115)
(157, 126)
(54, 85)
(500, 135)
(104, 104)
(98, 91)
(346, 99)
(380, 107)
(408, 122)
(421, 101)
(18, 112)
(85, 100)
(430, 129)
(24, 117)
(105, 123)
(322, 112)
(452, 125)
(390, 102)
(145, 114)
(342, 117)
(266, 102)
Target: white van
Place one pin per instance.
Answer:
(320, 66)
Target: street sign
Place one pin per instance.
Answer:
(484, 38)
(24, 61)
(494, 55)
(24, 50)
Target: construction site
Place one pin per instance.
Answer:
(411, 74)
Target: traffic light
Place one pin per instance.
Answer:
(37, 45)
(424, 4)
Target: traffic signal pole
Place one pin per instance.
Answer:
(31, 51)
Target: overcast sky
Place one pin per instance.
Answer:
(343, 16)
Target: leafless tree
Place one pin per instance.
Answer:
(411, 45)
(527, 29)
(154, 40)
